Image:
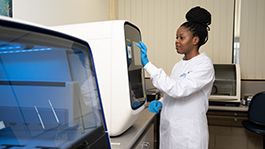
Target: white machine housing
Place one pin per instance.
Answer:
(110, 50)
(227, 85)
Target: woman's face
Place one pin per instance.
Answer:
(185, 41)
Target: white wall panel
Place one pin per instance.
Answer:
(252, 42)
(159, 19)
(58, 12)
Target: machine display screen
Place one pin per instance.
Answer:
(133, 54)
(136, 54)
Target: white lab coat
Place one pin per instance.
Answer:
(183, 123)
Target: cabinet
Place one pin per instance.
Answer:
(142, 135)
(150, 137)
(147, 140)
(226, 118)
(227, 132)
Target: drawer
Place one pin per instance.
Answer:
(226, 118)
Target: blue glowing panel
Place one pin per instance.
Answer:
(47, 65)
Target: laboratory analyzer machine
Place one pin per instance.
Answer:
(49, 90)
(119, 69)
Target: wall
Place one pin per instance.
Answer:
(252, 43)
(159, 19)
(58, 12)
(251, 87)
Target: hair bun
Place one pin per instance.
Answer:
(199, 15)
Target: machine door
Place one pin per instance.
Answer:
(135, 68)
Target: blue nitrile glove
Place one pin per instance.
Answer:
(144, 58)
(155, 106)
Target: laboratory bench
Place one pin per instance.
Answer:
(143, 134)
(226, 130)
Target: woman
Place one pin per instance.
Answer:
(183, 123)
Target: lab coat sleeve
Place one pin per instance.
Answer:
(194, 81)
(161, 100)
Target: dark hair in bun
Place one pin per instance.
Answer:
(198, 20)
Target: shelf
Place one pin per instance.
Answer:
(224, 80)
